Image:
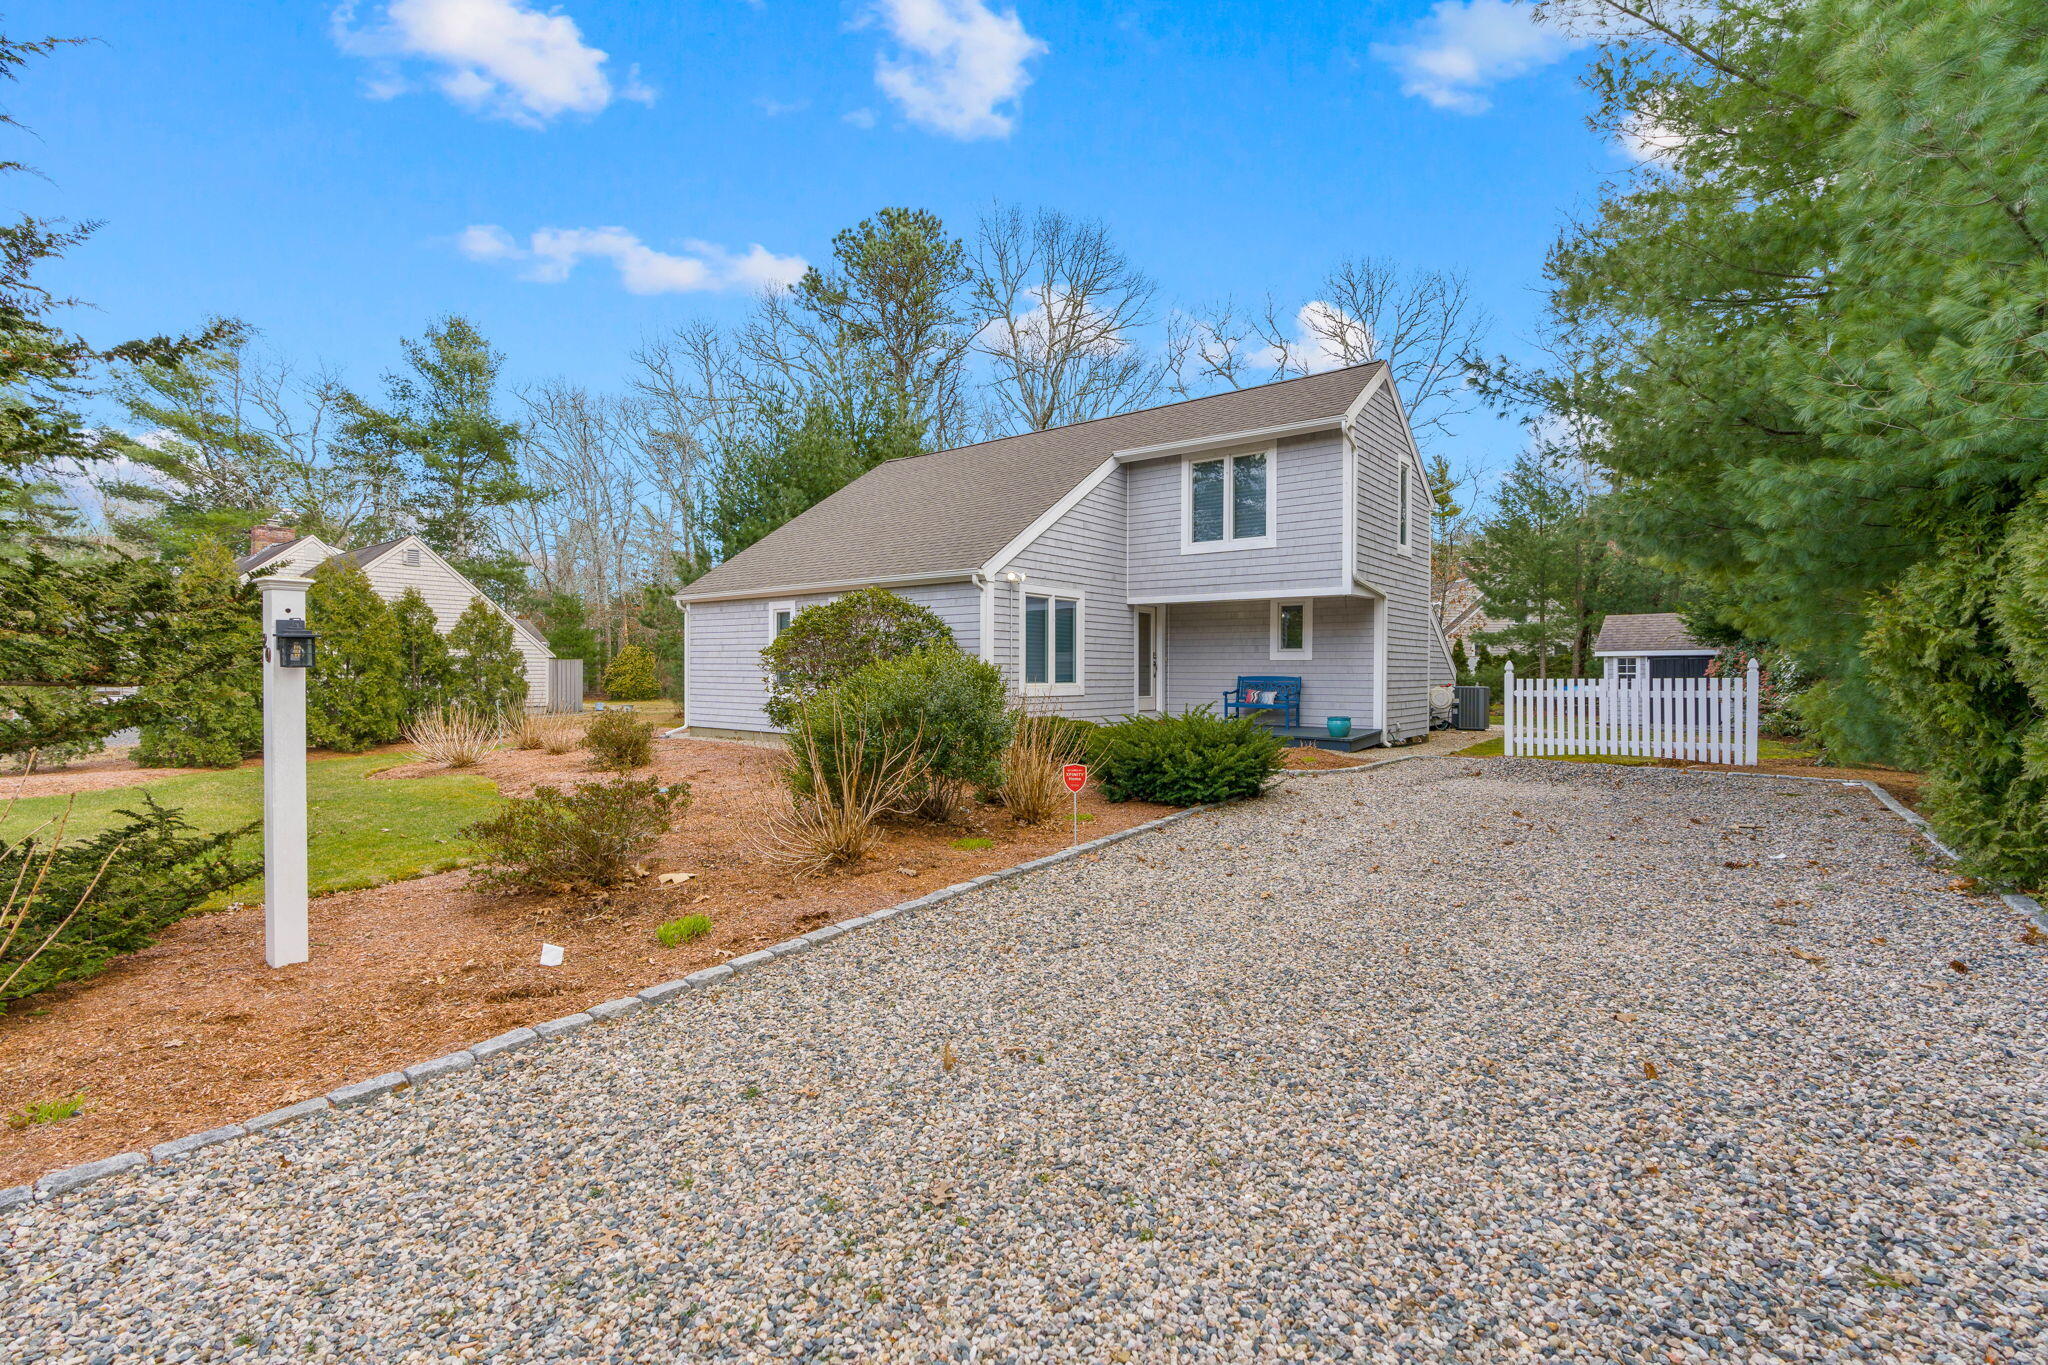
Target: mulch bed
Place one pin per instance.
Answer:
(196, 1032)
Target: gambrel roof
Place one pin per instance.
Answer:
(949, 513)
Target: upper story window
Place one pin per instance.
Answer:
(779, 617)
(1406, 506)
(1229, 502)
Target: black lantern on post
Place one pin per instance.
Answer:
(294, 643)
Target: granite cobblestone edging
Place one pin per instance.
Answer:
(365, 1092)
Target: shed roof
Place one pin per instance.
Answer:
(1646, 632)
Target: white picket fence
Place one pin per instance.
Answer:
(1707, 720)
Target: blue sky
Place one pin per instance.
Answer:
(338, 175)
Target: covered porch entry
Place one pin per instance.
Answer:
(1192, 653)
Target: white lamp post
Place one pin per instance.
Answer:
(287, 655)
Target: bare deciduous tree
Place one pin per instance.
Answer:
(617, 505)
(1057, 303)
(1423, 323)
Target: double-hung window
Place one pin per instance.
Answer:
(1052, 640)
(1230, 501)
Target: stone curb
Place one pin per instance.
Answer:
(377, 1087)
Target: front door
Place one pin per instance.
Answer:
(1147, 636)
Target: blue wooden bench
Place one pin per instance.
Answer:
(1284, 693)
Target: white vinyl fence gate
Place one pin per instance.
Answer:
(1707, 720)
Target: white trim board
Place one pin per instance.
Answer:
(1654, 653)
(843, 585)
(1290, 594)
(1249, 436)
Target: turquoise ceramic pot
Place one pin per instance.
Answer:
(1339, 726)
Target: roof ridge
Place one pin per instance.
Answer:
(1134, 412)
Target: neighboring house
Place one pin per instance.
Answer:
(1464, 620)
(396, 565)
(1132, 564)
(1651, 644)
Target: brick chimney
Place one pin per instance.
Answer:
(262, 537)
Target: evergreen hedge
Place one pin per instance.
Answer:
(424, 667)
(202, 692)
(488, 673)
(1186, 760)
(356, 696)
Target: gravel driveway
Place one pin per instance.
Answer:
(1452, 1060)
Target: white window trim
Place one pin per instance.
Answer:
(1633, 663)
(773, 608)
(1188, 544)
(1053, 689)
(1308, 629)
(1404, 509)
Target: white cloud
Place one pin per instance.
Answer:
(502, 58)
(551, 254)
(1642, 137)
(859, 118)
(959, 67)
(1465, 46)
(775, 108)
(1325, 338)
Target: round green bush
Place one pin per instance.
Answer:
(826, 644)
(946, 707)
(1187, 760)
(630, 676)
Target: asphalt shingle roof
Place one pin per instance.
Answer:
(951, 511)
(251, 562)
(1641, 632)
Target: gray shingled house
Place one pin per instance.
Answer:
(1138, 563)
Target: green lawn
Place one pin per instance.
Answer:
(363, 832)
(1767, 751)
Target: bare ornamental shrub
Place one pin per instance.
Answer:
(557, 734)
(841, 782)
(583, 840)
(1041, 744)
(454, 735)
(619, 741)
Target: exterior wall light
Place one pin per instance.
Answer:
(294, 643)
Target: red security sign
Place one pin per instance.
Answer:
(1076, 775)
